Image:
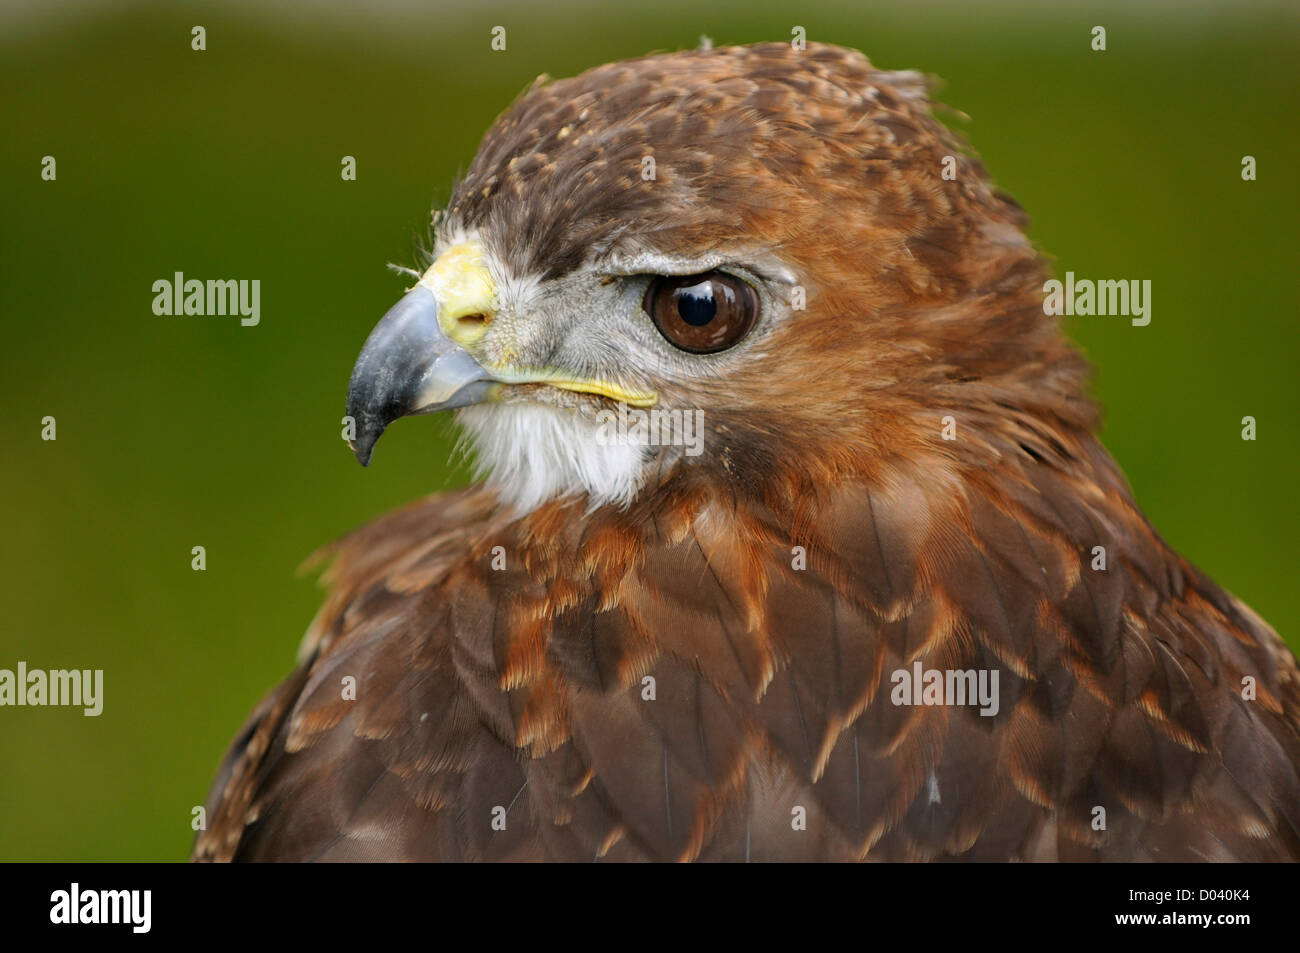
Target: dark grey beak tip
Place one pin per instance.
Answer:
(408, 366)
(369, 429)
(362, 453)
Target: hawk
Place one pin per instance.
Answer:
(796, 540)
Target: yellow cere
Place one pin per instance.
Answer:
(463, 285)
(461, 282)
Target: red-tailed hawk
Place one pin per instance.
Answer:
(796, 540)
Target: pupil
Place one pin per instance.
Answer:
(696, 305)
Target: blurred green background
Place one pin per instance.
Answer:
(183, 431)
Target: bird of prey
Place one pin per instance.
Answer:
(891, 600)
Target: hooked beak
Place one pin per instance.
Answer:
(409, 366)
(416, 360)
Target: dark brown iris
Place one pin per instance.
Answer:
(704, 313)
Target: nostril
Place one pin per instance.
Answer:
(465, 328)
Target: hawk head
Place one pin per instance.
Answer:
(784, 245)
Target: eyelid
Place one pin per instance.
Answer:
(751, 272)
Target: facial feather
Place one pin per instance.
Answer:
(531, 453)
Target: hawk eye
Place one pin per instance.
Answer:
(704, 313)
